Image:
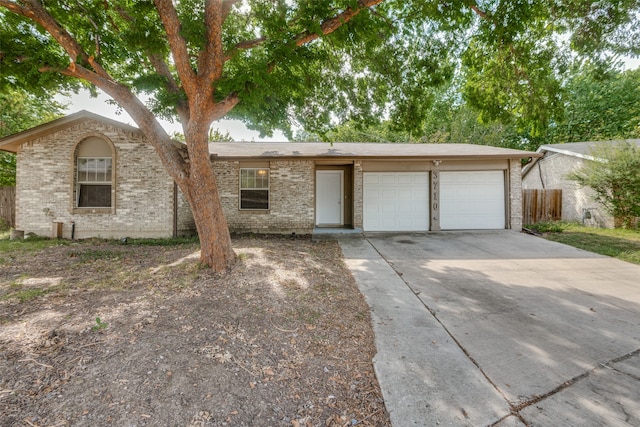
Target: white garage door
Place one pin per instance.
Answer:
(396, 201)
(472, 200)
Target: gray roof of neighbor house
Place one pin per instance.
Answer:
(582, 150)
(360, 150)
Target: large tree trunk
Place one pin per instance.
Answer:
(201, 190)
(203, 197)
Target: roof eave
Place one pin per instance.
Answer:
(345, 157)
(13, 142)
(545, 149)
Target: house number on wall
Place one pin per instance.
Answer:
(435, 183)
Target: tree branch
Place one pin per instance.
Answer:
(210, 60)
(178, 45)
(161, 67)
(157, 136)
(328, 26)
(35, 11)
(153, 131)
(332, 24)
(158, 63)
(482, 14)
(227, 104)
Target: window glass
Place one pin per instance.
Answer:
(94, 182)
(94, 170)
(254, 199)
(94, 196)
(254, 189)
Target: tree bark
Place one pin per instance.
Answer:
(201, 189)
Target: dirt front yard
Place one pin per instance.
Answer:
(106, 334)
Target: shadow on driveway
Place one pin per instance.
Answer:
(501, 328)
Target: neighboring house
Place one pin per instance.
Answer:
(550, 172)
(88, 176)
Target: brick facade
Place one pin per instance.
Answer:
(358, 196)
(146, 203)
(142, 197)
(291, 197)
(515, 195)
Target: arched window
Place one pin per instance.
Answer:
(94, 173)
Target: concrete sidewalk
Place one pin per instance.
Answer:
(499, 328)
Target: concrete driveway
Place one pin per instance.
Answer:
(500, 328)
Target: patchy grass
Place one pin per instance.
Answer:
(617, 243)
(24, 295)
(31, 244)
(99, 332)
(85, 255)
(174, 241)
(549, 226)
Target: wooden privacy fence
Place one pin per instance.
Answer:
(8, 206)
(541, 205)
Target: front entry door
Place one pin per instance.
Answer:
(329, 194)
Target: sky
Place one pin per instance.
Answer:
(100, 105)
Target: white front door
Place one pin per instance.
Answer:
(329, 194)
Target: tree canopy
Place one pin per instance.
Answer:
(600, 104)
(272, 65)
(313, 64)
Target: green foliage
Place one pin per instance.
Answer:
(216, 136)
(387, 62)
(20, 111)
(174, 241)
(601, 103)
(100, 325)
(7, 169)
(614, 178)
(548, 227)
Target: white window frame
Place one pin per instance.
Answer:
(255, 188)
(80, 183)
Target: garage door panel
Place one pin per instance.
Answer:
(472, 200)
(396, 201)
(388, 193)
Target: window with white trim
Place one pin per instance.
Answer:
(94, 182)
(254, 188)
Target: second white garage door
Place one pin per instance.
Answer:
(472, 200)
(396, 201)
